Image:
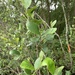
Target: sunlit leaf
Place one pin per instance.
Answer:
(50, 64)
(58, 71)
(14, 52)
(53, 23)
(41, 55)
(37, 63)
(27, 65)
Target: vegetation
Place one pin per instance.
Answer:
(37, 37)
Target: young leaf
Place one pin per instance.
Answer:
(26, 3)
(50, 65)
(50, 32)
(14, 52)
(37, 64)
(53, 23)
(26, 65)
(41, 55)
(30, 11)
(16, 57)
(32, 26)
(68, 73)
(58, 71)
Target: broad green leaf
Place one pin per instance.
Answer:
(68, 73)
(27, 65)
(58, 71)
(26, 3)
(53, 23)
(14, 52)
(41, 55)
(37, 64)
(50, 65)
(32, 26)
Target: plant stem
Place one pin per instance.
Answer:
(67, 30)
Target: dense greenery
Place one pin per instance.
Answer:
(37, 37)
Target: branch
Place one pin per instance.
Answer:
(67, 30)
(45, 23)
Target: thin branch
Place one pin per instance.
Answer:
(61, 44)
(45, 23)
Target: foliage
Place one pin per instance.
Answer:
(32, 37)
(40, 63)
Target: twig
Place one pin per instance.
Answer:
(61, 44)
(45, 23)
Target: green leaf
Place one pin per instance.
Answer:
(50, 65)
(58, 71)
(26, 65)
(51, 31)
(53, 23)
(30, 12)
(49, 37)
(16, 57)
(37, 64)
(32, 26)
(34, 39)
(49, 34)
(26, 3)
(68, 73)
(28, 71)
(22, 41)
(41, 55)
(37, 21)
(14, 52)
